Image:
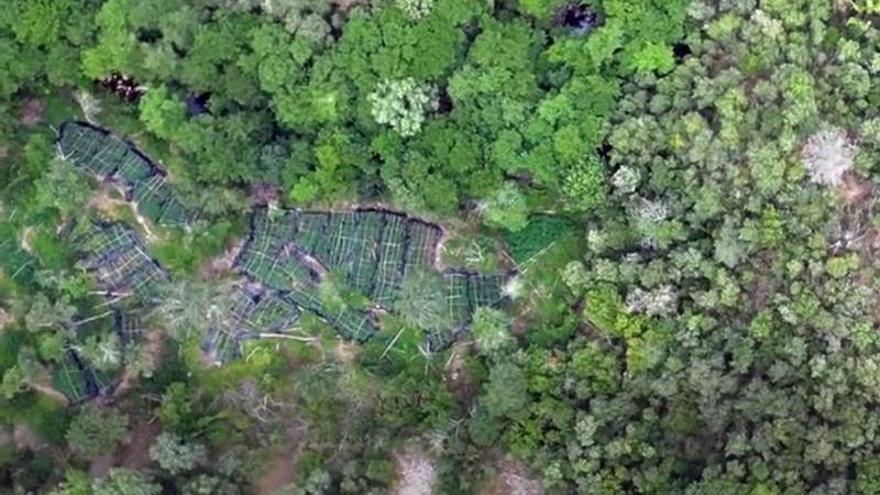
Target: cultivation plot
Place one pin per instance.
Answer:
(364, 252)
(252, 314)
(73, 380)
(290, 252)
(458, 301)
(421, 245)
(100, 153)
(389, 269)
(118, 260)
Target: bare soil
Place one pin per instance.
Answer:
(221, 265)
(6, 319)
(416, 473)
(135, 452)
(31, 112)
(281, 470)
(154, 347)
(512, 479)
(459, 382)
(279, 475)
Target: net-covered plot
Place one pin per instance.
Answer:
(390, 254)
(100, 153)
(457, 293)
(252, 314)
(71, 377)
(270, 256)
(365, 251)
(290, 251)
(421, 245)
(118, 260)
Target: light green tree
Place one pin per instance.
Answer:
(403, 104)
(95, 431)
(121, 481)
(490, 328)
(506, 208)
(176, 456)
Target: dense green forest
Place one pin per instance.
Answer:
(302, 247)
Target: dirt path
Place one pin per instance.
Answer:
(281, 470)
(512, 480)
(154, 345)
(103, 202)
(279, 475)
(218, 266)
(416, 473)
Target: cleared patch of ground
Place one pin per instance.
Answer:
(133, 453)
(459, 382)
(221, 265)
(6, 319)
(280, 472)
(31, 112)
(416, 473)
(512, 479)
(278, 475)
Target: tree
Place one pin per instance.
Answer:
(421, 301)
(506, 208)
(490, 328)
(505, 394)
(44, 315)
(206, 484)
(121, 481)
(104, 352)
(174, 455)
(96, 431)
(828, 155)
(403, 104)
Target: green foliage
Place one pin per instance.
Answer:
(506, 208)
(402, 104)
(490, 329)
(95, 431)
(421, 301)
(172, 454)
(121, 481)
(541, 232)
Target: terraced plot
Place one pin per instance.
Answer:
(289, 252)
(99, 153)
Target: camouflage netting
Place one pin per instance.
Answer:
(129, 278)
(100, 153)
(116, 257)
(289, 252)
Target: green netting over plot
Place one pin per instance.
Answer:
(389, 268)
(486, 289)
(100, 153)
(312, 228)
(365, 251)
(69, 377)
(94, 150)
(272, 314)
(352, 325)
(336, 251)
(127, 324)
(289, 252)
(132, 168)
(421, 244)
(457, 293)
(119, 262)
